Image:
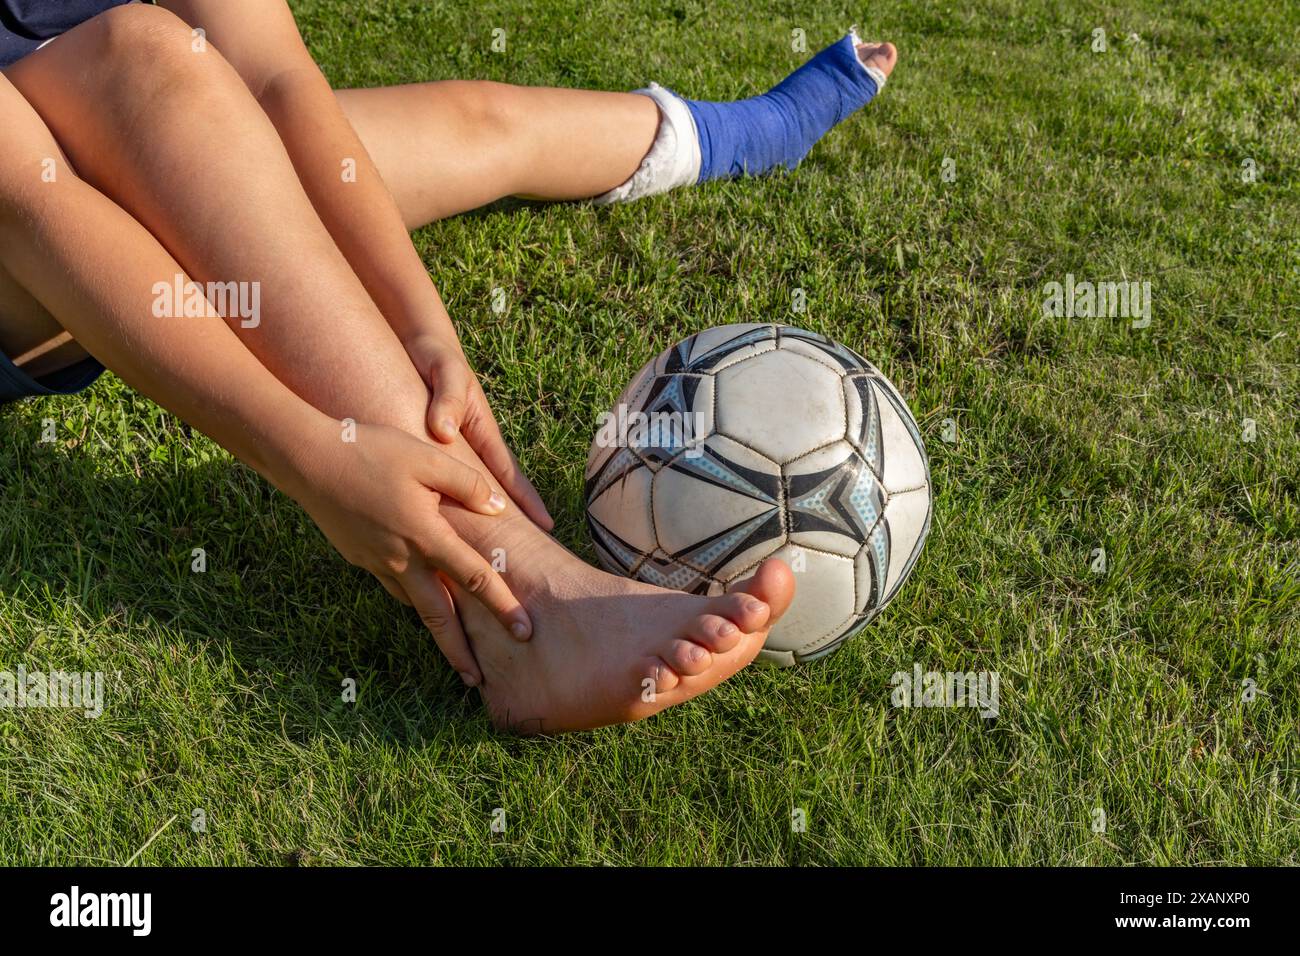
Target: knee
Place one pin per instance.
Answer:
(489, 108)
(139, 29)
(142, 44)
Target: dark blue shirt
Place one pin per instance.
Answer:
(26, 24)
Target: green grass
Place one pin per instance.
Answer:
(1121, 691)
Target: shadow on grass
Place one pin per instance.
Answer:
(202, 558)
(206, 559)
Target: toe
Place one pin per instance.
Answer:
(714, 632)
(682, 686)
(657, 677)
(687, 658)
(773, 585)
(883, 56)
(742, 609)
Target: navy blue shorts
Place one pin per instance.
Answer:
(16, 384)
(26, 25)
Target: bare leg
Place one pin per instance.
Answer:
(152, 138)
(144, 120)
(446, 147)
(442, 148)
(66, 250)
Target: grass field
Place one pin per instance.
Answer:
(1124, 692)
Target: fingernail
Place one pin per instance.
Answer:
(469, 679)
(496, 502)
(519, 629)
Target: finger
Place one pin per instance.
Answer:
(393, 588)
(480, 580)
(450, 382)
(455, 479)
(430, 597)
(484, 436)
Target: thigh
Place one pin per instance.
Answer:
(30, 336)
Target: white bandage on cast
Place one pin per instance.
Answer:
(674, 157)
(875, 73)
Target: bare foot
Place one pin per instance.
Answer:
(606, 649)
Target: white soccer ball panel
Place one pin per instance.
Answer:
(718, 348)
(832, 499)
(903, 460)
(630, 397)
(837, 355)
(820, 460)
(718, 510)
(599, 453)
(743, 354)
(815, 351)
(907, 515)
(776, 658)
(838, 636)
(712, 349)
(717, 345)
(823, 603)
(623, 508)
(781, 404)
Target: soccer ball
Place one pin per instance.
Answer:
(749, 441)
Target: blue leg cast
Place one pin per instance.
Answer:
(780, 127)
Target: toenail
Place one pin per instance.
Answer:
(469, 679)
(697, 652)
(519, 629)
(726, 629)
(755, 607)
